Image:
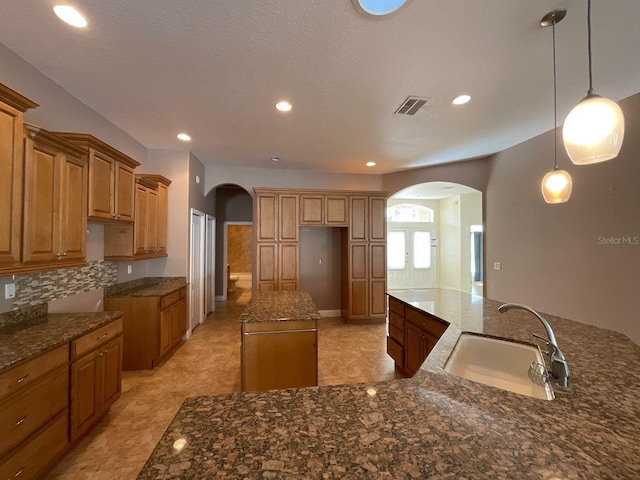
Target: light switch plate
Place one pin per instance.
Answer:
(10, 291)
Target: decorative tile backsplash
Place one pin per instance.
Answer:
(42, 287)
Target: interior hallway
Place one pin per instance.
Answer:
(208, 364)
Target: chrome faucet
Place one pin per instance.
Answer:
(559, 366)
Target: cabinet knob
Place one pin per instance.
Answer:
(19, 473)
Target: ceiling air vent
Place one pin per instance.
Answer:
(411, 105)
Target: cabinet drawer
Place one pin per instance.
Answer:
(395, 351)
(426, 322)
(95, 338)
(31, 460)
(30, 409)
(169, 300)
(396, 334)
(396, 306)
(24, 374)
(396, 320)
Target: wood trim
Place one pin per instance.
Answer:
(49, 139)
(13, 98)
(88, 141)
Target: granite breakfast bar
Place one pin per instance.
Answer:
(433, 425)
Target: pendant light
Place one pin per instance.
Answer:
(594, 129)
(556, 185)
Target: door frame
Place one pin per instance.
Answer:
(210, 259)
(196, 283)
(224, 255)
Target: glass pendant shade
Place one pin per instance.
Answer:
(556, 186)
(593, 131)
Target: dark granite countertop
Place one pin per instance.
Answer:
(147, 287)
(25, 340)
(433, 425)
(279, 306)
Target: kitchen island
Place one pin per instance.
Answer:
(433, 425)
(279, 341)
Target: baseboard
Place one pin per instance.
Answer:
(330, 313)
(220, 298)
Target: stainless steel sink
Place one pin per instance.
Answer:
(499, 363)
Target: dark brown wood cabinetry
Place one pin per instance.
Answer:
(412, 334)
(153, 326)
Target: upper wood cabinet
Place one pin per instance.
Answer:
(111, 179)
(323, 209)
(12, 107)
(147, 236)
(55, 195)
(277, 216)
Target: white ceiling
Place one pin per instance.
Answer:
(216, 68)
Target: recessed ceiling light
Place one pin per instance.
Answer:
(371, 164)
(283, 106)
(184, 137)
(461, 100)
(70, 15)
(378, 7)
(275, 159)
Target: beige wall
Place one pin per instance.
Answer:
(449, 244)
(321, 280)
(250, 178)
(173, 164)
(59, 110)
(555, 257)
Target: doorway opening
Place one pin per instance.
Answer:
(434, 238)
(238, 241)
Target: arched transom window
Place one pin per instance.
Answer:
(409, 212)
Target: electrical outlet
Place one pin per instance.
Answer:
(497, 266)
(129, 269)
(10, 291)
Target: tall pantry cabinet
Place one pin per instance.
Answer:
(277, 244)
(361, 216)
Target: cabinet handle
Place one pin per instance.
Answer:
(64, 254)
(18, 423)
(20, 380)
(19, 473)
(104, 335)
(101, 354)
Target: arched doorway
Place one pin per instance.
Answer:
(434, 238)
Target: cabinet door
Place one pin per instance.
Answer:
(415, 348)
(179, 321)
(311, 209)
(358, 280)
(163, 212)
(111, 373)
(140, 224)
(267, 266)
(377, 279)
(73, 232)
(377, 219)
(152, 221)
(42, 203)
(288, 218)
(85, 393)
(101, 185)
(335, 210)
(267, 217)
(124, 191)
(358, 218)
(288, 263)
(11, 166)
(165, 331)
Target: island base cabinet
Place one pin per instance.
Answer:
(96, 383)
(37, 456)
(278, 355)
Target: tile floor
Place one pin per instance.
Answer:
(208, 364)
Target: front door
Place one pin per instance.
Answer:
(410, 258)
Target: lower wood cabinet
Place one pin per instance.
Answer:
(412, 334)
(34, 415)
(153, 326)
(96, 378)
